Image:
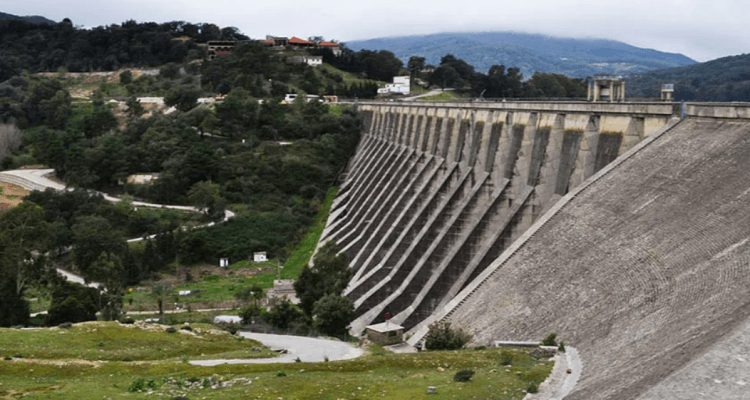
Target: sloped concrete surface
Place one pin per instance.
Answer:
(646, 271)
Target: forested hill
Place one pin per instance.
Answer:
(723, 79)
(36, 19)
(44, 47)
(529, 52)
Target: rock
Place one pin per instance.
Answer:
(431, 390)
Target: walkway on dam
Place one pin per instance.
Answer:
(645, 269)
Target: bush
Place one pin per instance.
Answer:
(127, 320)
(442, 337)
(333, 313)
(506, 358)
(532, 388)
(561, 347)
(463, 375)
(250, 313)
(550, 340)
(171, 329)
(281, 373)
(137, 385)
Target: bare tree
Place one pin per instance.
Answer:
(10, 139)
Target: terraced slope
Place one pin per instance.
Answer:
(646, 271)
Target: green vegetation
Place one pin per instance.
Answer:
(112, 341)
(378, 375)
(724, 79)
(444, 96)
(442, 337)
(304, 251)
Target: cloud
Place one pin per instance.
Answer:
(695, 28)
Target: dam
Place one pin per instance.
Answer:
(622, 227)
(436, 192)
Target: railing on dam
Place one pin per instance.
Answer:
(437, 191)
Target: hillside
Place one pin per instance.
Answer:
(36, 19)
(529, 52)
(723, 79)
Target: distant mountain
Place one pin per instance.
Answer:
(36, 19)
(723, 79)
(529, 52)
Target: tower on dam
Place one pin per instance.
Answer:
(435, 193)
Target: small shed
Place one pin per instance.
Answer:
(385, 333)
(260, 256)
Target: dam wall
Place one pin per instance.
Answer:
(437, 191)
(644, 269)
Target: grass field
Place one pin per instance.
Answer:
(112, 341)
(377, 375)
(444, 96)
(218, 290)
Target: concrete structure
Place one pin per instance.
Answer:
(436, 192)
(514, 220)
(667, 92)
(385, 333)
(606, 88)
(401, 84)
(310, 60)
(283, 288)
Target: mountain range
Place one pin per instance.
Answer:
(29, 18)
(529, 52)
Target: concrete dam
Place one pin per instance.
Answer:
(436, 192)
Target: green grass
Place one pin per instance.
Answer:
(444, 96)
(111, 341)
(302, 253)
(379, 375)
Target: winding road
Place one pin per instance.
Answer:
(36, 179)
(306, 348)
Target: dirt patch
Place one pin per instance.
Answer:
(11, 195)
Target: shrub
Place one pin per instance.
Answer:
(561, 347)
(127, 320)
(250, 313)
(281, 373)
(506, 358)
(532, 388)
(137, 385)
(442, 337)
(127, 359)
(463, 375)
(550, 340)
(8, 358)
(171, 329)
(186, 328)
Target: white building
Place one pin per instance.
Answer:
(401, 84)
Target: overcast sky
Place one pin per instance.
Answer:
(700, 29)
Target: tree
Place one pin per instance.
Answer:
(135, 109)
(329, 275)
(183, 97)
(205, 196)
(94, 235)
(72, 302)
(24, 238)
(253, 293)
(283, 314)
(333, 313)
(415, 65)
(159, 292)
(446, 76)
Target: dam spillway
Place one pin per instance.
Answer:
(437, 191)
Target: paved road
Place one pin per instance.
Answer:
(306, 348)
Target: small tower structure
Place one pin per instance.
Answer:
(606, 88)
(667, 92)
